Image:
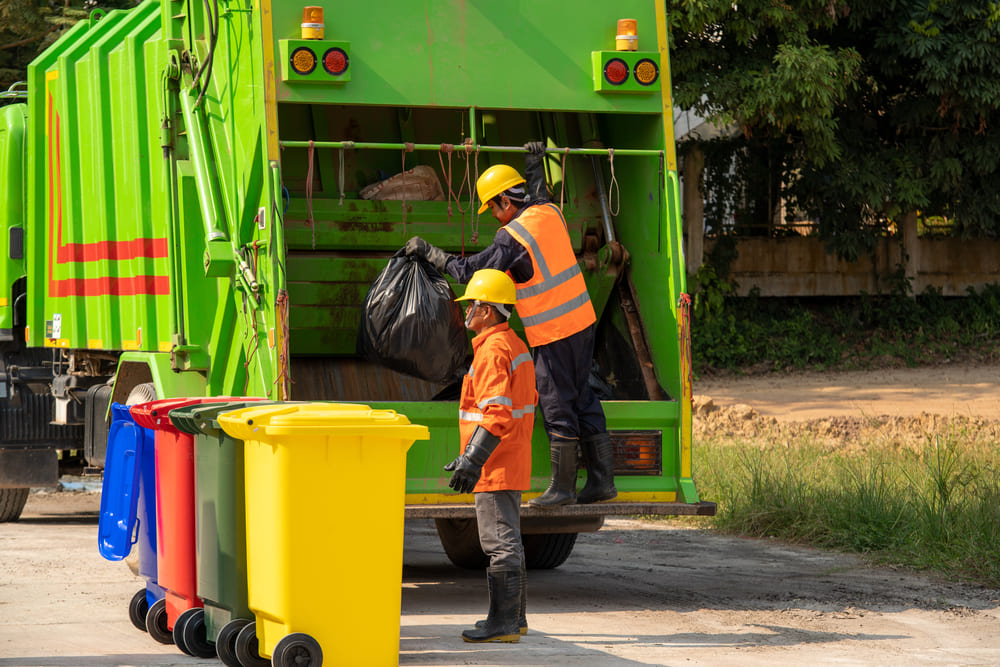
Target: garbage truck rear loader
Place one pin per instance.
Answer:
(212, 188)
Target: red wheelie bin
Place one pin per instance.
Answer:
(176, 560)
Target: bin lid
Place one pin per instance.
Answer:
(156, 414)
(120, 488)
(200, 418)
(341, 419)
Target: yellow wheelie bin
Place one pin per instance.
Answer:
(325, 487)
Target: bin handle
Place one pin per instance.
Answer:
(382, 414)
(135, 532)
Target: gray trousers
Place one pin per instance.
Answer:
(498, 514)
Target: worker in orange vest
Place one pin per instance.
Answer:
(534, 248)
(496, 416)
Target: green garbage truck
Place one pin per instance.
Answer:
(197, 197)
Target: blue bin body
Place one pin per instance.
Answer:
(128, 497)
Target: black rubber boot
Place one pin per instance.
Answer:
(522, 618)
(562, 486)
(501, 622)
(599, 461)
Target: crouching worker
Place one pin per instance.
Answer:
(496, 417)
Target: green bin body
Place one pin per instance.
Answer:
(220, 503)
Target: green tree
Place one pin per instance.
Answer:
(28, 27)
(876, 109)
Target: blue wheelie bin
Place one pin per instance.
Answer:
(128, 513)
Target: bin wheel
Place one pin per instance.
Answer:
(247, 648)
(297, 650)
(189, 634)
(156, 623)
(137, 609)
(460, 539)
(225, 642)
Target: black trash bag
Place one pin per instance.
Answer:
(411, 323)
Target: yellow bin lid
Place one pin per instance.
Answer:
(337, 419)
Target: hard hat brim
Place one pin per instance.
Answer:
(482, 209)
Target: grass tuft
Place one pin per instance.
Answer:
(932, 506)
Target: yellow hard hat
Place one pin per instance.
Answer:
(492, 286)
(495, 180)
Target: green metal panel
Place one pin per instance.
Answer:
(104, 256)
(13, 123)
(178, 211)
(504, 54)
(424, 465)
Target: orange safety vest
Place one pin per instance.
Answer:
(554, 303)
(498, 393)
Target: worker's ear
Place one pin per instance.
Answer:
(505, 203)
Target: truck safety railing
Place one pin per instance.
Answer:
(474, 149)
(470, 148)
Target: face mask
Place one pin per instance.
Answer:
(470, 313)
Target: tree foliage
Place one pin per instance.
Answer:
(882, 108)
(28, 27)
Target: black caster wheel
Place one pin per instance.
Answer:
(297, 650)
(246, 647)
(137, 609)
(225, 642)
(189, 634)
(156, 623)
(178, 634)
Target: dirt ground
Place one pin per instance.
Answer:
(634, 593)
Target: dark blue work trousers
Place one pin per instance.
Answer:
(570, 408)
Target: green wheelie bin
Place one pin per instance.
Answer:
(220, 523)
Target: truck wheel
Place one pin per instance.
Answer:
(545, 551)
(460, 539)
(11, 503)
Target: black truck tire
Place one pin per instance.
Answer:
(542, 551)
(11, 503)
(545, 551)
(460, 539)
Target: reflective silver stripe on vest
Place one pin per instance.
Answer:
(519, 359)
(527, 410)
(495, 400)
(464, 415)
(470, 416)
(560, 278)
(548, 280)
(557, 312)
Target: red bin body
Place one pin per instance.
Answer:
(176, 554)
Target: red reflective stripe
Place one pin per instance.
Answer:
(73, 253)
(110, 286)
(112, 250)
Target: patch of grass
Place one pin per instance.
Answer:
(934, 507)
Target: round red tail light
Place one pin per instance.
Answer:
(616, 71)
(335, 61)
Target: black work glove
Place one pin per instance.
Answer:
(534, 172)
(438, 258)
(469, 466)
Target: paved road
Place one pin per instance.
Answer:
(635, 593)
